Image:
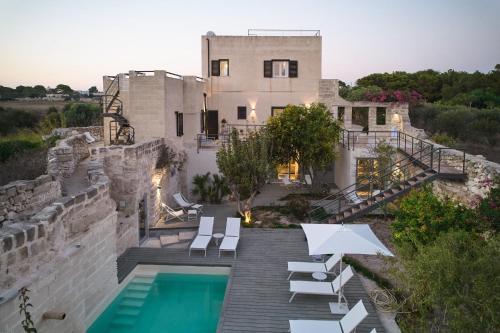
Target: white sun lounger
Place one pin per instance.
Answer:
(312, 267)
(321, 288)
(232, 236)
(345, 325)
(172, 213)
(181, 201)
(204, 236)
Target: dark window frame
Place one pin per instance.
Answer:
(215, 63)
(381, 115)
(294, 72)
(179, 123)
(239, 115)
(276, 107)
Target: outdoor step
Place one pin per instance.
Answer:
(131, 303)
(146, 279)
(128, 311)
(139, 287)
(123, 321)
(139, 295)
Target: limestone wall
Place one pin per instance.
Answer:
(22, 197)
(66, 255)
(65, 156)
(97, 132)
(480, 176)
(134, 177)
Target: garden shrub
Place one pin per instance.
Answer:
(452, 285)
(444, 140)
(24, 165)
(11, 120)
(82, 115)
(299, 207)
(18, 143)
(421, 217)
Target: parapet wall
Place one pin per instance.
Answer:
(22, 197)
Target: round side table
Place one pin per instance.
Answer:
(217, 237)
(319, 276)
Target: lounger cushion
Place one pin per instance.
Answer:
(200, 242)
(311, 287)
(229, 244)
(306, 267)
(316, 326)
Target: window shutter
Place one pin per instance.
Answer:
(215, 68)
(293, 68)
(268, 68)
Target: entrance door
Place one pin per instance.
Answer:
(213, 124)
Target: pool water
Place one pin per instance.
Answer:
(169, 302)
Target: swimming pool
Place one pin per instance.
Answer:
(167, 302)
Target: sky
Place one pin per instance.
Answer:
(77, 42)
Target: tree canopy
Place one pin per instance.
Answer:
(480, 90)
(246, 165)
(307, 135)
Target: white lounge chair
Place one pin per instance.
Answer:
(352, 197)
(345, 325)
(185, 204)
(204, 236)
(312, 267)
(172, 213)
(321, 288)
(232, 236)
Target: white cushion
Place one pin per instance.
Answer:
(229, 244)
(311, 287)
(306, 267)
(200, 242)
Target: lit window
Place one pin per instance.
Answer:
(276, 110)
(280, 68)
(224, 67)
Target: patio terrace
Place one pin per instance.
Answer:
(257, 293)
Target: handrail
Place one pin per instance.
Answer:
(388, 169)
(384, 175)
(256, 32)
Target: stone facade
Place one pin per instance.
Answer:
(22, 197)
(65, 156)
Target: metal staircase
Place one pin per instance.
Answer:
(120, 131)
(422, 163)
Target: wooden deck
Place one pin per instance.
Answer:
(257, 293)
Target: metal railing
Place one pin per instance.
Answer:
(283, 32)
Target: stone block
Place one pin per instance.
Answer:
(79, 198)
(23, 253)
(8, 242)
(30, 233)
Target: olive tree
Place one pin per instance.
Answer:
(245, 164)
(307, 135)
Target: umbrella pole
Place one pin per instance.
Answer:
(338, 308)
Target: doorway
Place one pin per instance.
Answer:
(213, 124)
(143, 219)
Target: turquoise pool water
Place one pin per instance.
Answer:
(170, 302)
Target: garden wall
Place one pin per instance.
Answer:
(97, 132)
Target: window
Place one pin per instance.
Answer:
(276, 110)
(381, 111)
(202, 121)
(224, 67)
(280, 68)
(242, 112)
(341, 113)
(220, 67)
(179, 123)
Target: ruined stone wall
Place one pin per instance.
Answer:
(133, 176)
(97, 132)
(66, 255)
(22, 197)
(65, 156)
(480, 176)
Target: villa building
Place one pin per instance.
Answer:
(106, 188)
